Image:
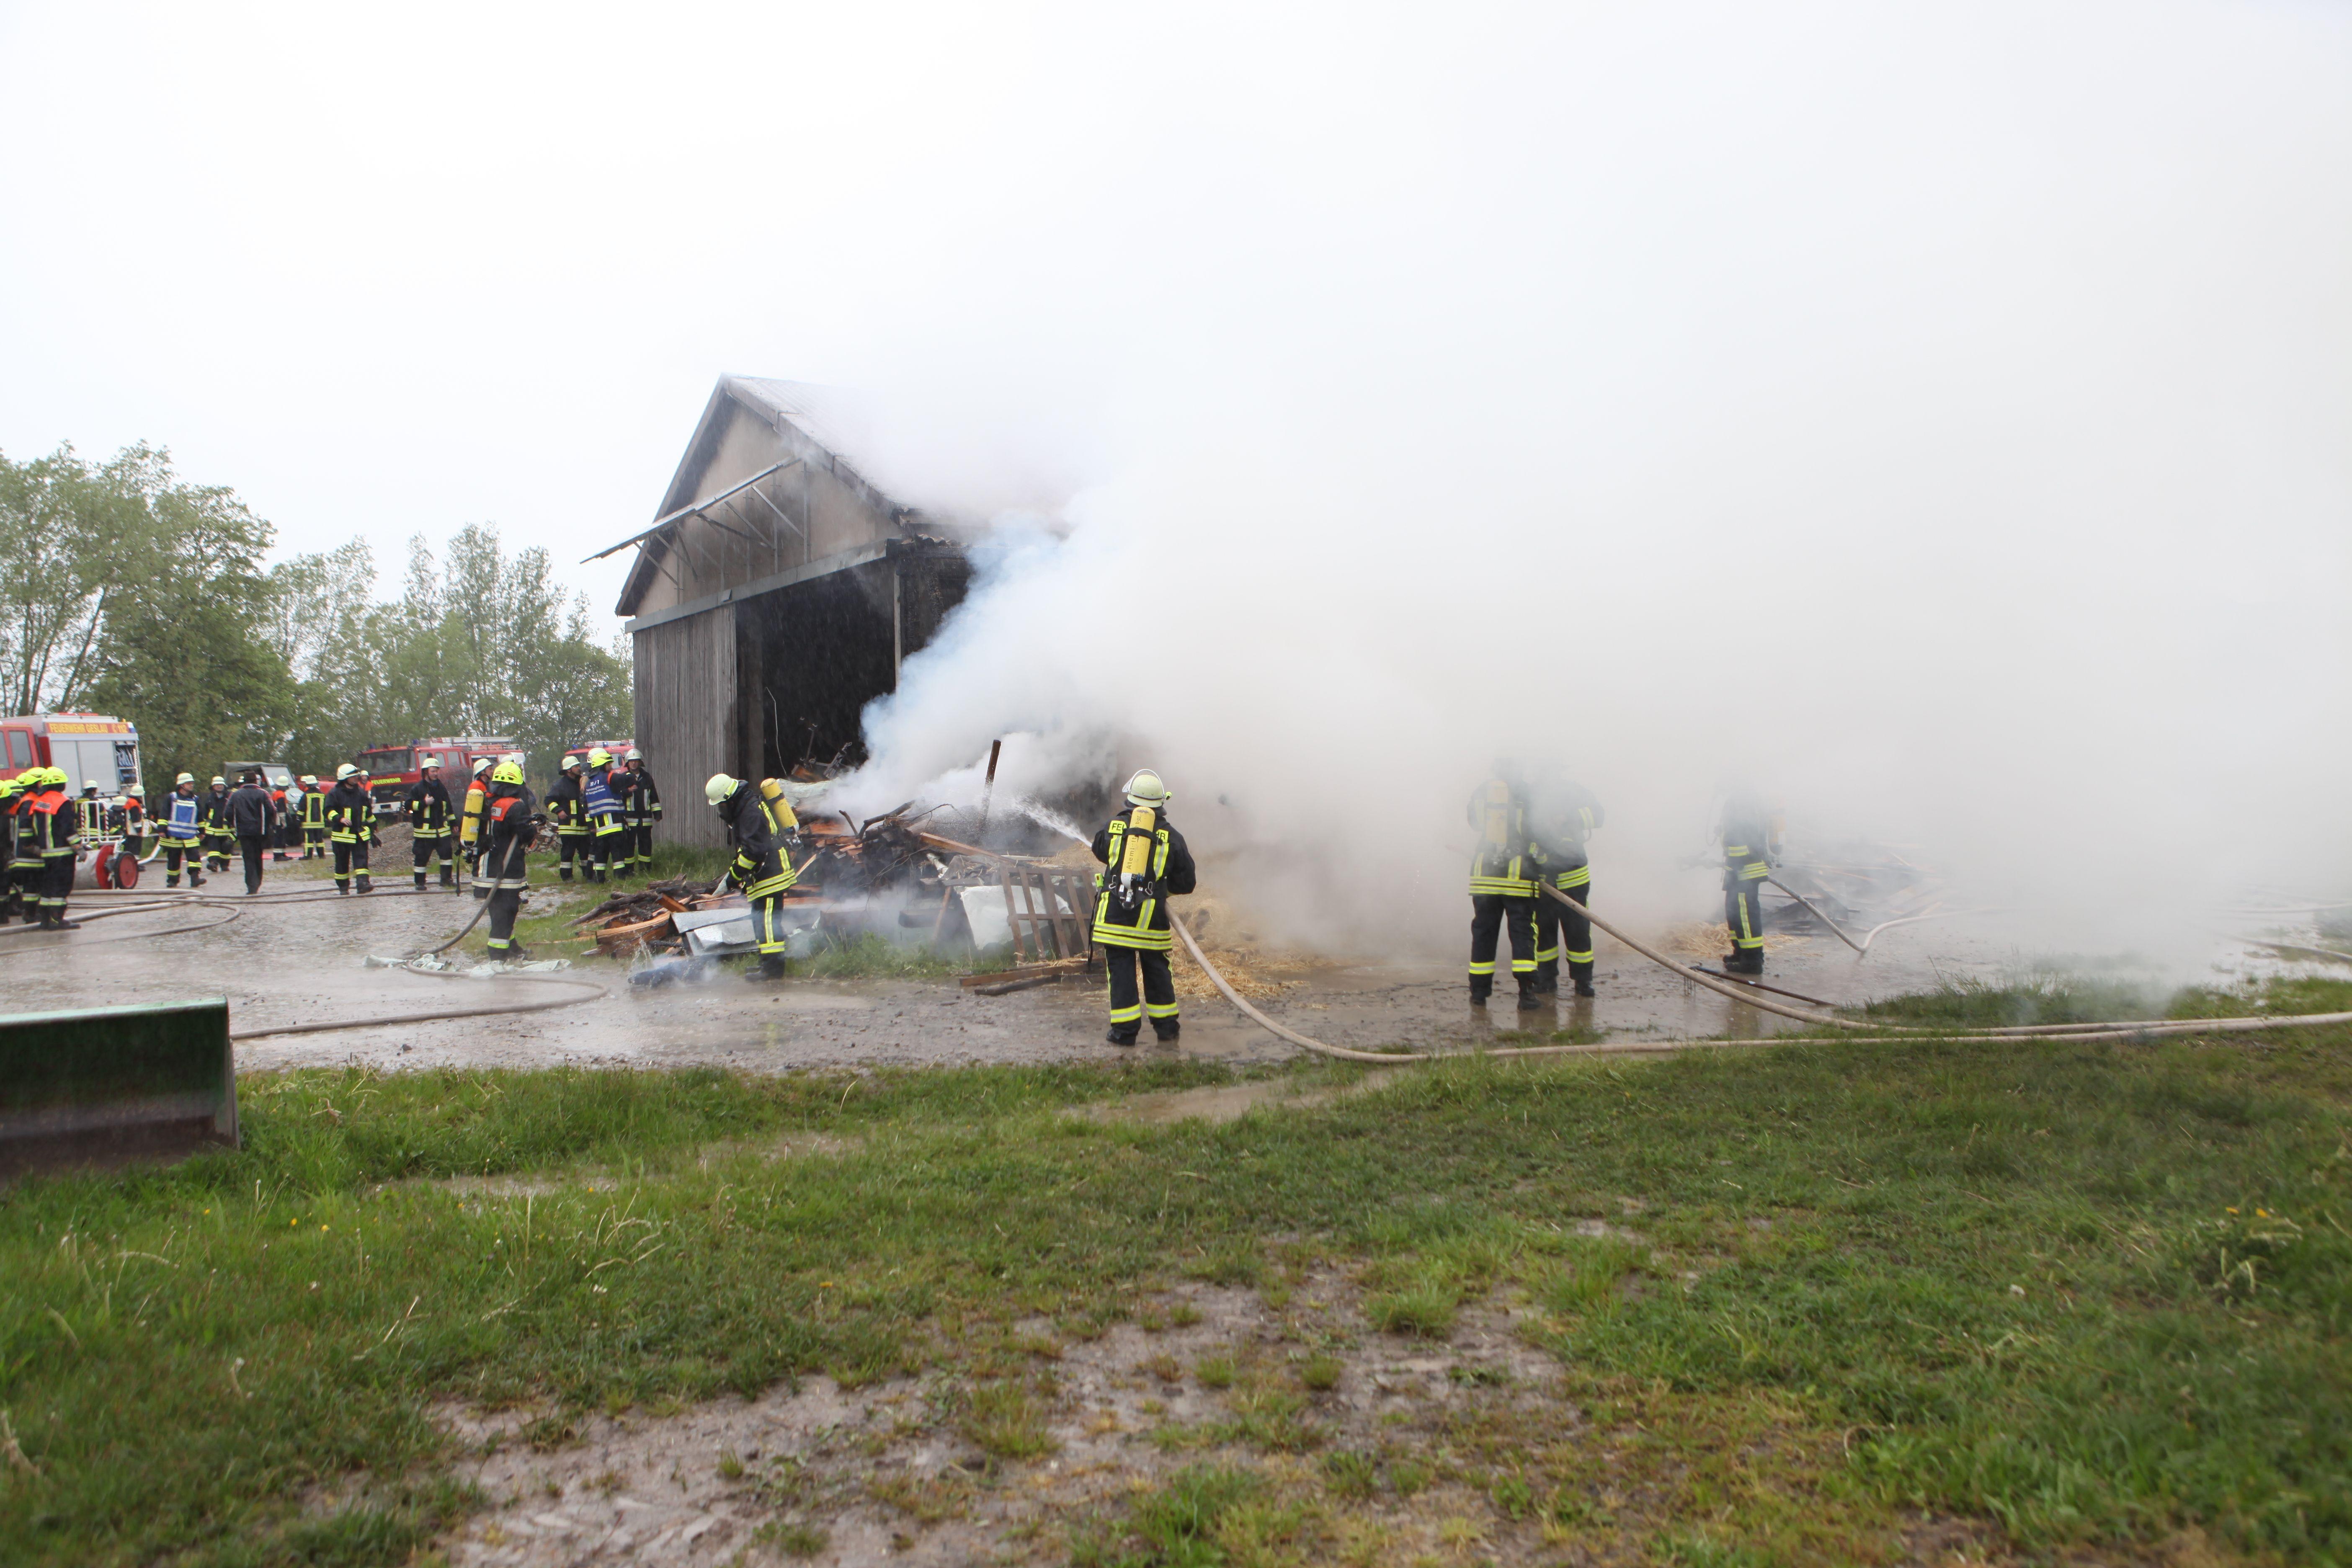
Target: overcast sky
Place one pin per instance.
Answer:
(392, 270)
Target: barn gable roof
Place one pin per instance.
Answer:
(828, 425)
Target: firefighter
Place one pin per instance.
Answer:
(600, 794)
(1562, 815)
(469, 823)
(251, 814)
(1502, 886)
(1145, 862)
(25, 867)
(567, 808)
(90, 816)
(350, 828)
(765, 831)
(314, 818)
(182, 832)
(220, 838)
(131, 822)
(432, 825)
(283, 824)
(509, 824)
(641, 808)
(12, 791)
(1751, 839)
(53, 838)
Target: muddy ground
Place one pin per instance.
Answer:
(297, 955)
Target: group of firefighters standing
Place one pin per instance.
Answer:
(604, 810)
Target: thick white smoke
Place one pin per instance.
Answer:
(1941, 423)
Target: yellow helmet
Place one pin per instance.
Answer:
(718, 787)
(600, 758)
(507, 773)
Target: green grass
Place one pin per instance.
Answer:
(2093, 1294)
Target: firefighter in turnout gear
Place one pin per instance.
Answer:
(90, 816)
(135, 827)
(510, 825)
(314, 818)
(12, 792)
(567, 807)
(1751, 839)
(220, 838)
(433, 823)
(600, 792)
(641, 807)
(350, 828)
(469, 825)
(1502, 886)
(1145, 863)
(1560, 815)
(183, 833)
(24, 870)
(765, 830)
(53, 838)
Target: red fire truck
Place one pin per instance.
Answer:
(87, 747)
(390, 770)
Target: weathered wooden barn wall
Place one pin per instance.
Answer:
(686, 709)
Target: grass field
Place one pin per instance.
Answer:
(2079, 1298)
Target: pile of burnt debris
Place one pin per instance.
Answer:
(886, 870)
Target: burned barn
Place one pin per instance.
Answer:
(777, 592)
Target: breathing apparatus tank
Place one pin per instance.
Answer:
(780, 807)
(1135, 859)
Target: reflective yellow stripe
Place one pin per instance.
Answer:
(1546, 955)
(1482, 969)
(1128, 936)
(1160, 1010)
(1576, 957)
(1127, 1015)
(1575, 877)
(768, 887)
(1755, 873)
(1508, 887)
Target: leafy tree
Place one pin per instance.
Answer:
(124, 589)
(133, 593)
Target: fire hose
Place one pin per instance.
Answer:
(2140, 1030)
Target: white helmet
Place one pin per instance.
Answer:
(90, 786)
(184, 778)
(633, 756)
(1144, 789)
(219, 783)
(718, 788)
(483, 766)
(346, 770)
(570, 762)
(311, 779)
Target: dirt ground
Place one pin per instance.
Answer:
(303, 961)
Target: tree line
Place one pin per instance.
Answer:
(125, 590)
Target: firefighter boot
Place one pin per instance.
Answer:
(449, 875)
(1166, 1030)
(770, 967)
(365, 886)
(1532, 998)
(1582, 974)
(420, 878)
(1122, 1035)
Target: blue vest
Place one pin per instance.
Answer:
(184, 817)
(596, 793)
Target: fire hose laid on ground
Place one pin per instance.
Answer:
(2091, 1031)
(236, 904)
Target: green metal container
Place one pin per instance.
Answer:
(104, 1086)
